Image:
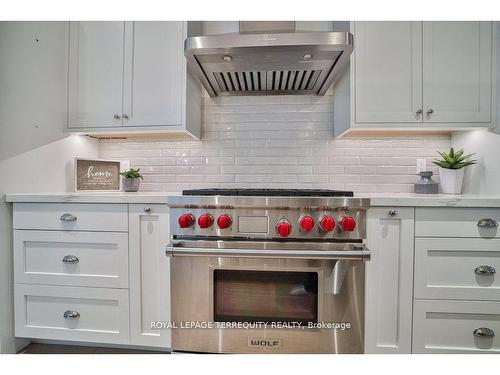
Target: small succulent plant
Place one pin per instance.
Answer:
(454, 160)
(132, 173)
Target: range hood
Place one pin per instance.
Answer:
(267, 58)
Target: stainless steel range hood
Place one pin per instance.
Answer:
(278, 62)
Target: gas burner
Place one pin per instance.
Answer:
(269, 192)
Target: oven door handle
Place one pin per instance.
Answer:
(177, 249)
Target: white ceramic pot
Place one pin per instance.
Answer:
(451, 180)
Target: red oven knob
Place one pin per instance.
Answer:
(307, 223)
(224, 221)
(186, 220)
(205, 221)
(283, 228)
(327, 223)
(348, 223)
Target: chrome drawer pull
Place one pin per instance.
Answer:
(485, 270)
(71, 314)
(68, 217)
(487, 223)
(483, 332)
(70, 259)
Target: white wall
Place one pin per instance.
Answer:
(35, 154)
(483, 178)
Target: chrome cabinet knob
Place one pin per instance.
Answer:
(68, 218)
(71, 314)
(485, 270)
(148, 210)
(393, 213)
(430, 111)
(116, 116)
(487, 223)
(483, 332)
(125, 115)
(419, 112)
(70, 259)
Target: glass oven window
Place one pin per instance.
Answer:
(265, 296)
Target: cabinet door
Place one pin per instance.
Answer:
(149, 274)
(95, 74)
(389, 280)
(457, 58)
(388, 72)
(155, 70)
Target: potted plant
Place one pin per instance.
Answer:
(131, 179)
(451, 170)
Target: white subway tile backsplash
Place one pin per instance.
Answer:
(276, 142)
(205, 169)
(218, 178)
(176, 170)
(251, 178)
(285, 169)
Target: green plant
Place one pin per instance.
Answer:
(132, 173)
(454, 160)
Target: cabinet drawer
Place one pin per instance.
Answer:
(98, 259)
(457, 222)
(71, 216)
(92, 314)
(450, 326)
(454, 268)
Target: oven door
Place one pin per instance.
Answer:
(267, 297)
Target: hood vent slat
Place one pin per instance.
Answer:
(276, 81)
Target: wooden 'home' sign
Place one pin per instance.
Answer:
(97, 175)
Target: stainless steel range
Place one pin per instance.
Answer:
(267, 271)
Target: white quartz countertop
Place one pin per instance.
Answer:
(432, 200)
(401, 200)
(115, 197)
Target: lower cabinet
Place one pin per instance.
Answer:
(457, 301)
(72, 313)
(71, 258)
(389, 280)
(441, 326)
(106, 285)
(149, 274)
(457, 268)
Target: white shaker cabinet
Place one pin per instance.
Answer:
(102, 277)
(457, 61)
(414, 76)
(389, 280)
(153, 78)
(456, 307)
(388, 71)
(149, 274)
(131, 77)
(95, 74)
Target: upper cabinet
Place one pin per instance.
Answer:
(132, 77)
(388, 71)
(457, 62)
(418, 76)
(95, 74)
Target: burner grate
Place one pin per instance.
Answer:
(270, 192)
